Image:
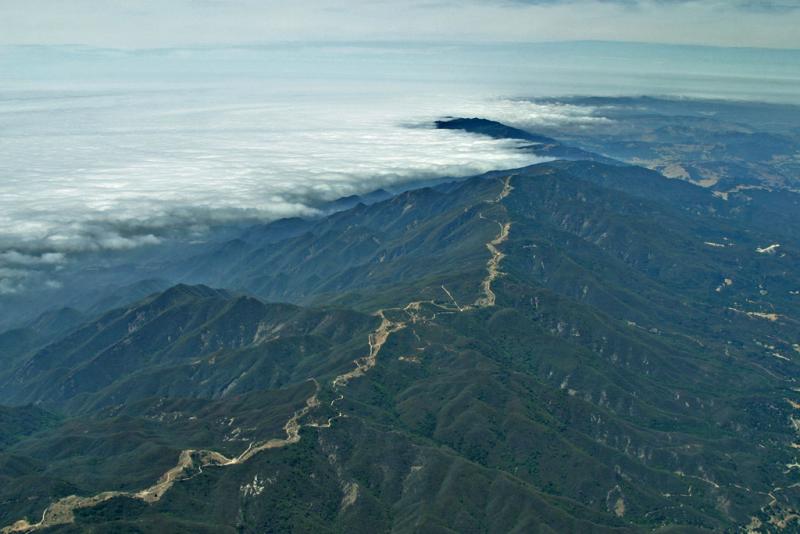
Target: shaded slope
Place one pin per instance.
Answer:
(187, 341)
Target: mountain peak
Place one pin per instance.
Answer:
(494, 129)
(542, 146)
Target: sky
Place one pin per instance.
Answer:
(169, 23)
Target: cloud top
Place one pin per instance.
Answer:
(103, 171)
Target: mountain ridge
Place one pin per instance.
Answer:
(562, 333)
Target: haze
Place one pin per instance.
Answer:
(148, 23)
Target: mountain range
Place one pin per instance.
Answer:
(582, 345)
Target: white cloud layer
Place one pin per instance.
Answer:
(89, 170)
(110, 171)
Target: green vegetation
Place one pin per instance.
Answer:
(618, 384)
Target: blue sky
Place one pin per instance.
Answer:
(160, 23)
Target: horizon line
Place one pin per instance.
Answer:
(395, 42)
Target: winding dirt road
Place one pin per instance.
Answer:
(191, 461)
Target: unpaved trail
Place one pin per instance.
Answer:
(507, 188)
(191, 461)
(493, 265)
(376, 341)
